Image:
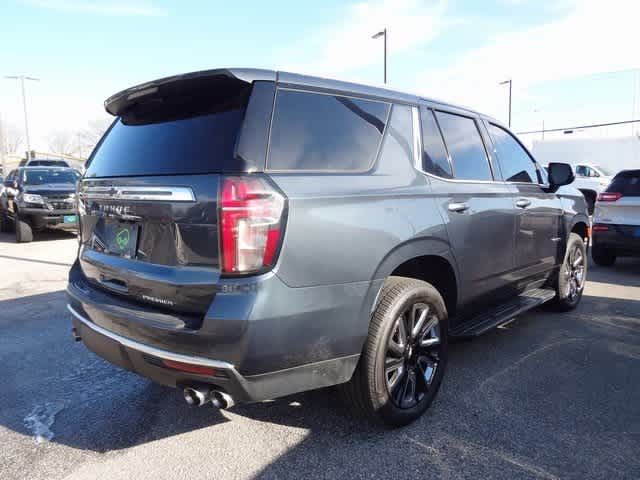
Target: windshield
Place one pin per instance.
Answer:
(44, 176)
(605, 171)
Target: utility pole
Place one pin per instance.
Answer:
(383, 33)
(504, 83)
(22, 78)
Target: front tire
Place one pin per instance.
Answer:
(572, 276)
(6, 225)
(404, 358)
(24, 232)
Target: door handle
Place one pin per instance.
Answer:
(523, 203)
(458, 207)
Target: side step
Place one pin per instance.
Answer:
(502, 314)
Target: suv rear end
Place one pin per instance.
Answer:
(180, 235)
(616, 228)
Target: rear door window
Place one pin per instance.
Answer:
(465, 146)
(321, 132)
(434, 155)
(515, 163)
(626, 183)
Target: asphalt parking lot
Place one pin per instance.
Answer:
(549, 396)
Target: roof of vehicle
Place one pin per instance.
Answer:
(116, 103)
(45, 167)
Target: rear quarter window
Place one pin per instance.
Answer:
(321, 132)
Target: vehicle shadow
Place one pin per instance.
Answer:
(518, 401)
(43, 236)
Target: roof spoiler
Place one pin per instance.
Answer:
(122, 101)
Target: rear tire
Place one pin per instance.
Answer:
(603, 256)
(24, 232)
(404, 358)
(572, 275)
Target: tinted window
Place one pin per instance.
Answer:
(324, 132)
(48, 163)
(191, 132)
(434, 155)
(42, 176)
(465, 146)
(515, 162)
(626, 183)
(398, 141)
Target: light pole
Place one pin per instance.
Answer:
(22, 78)
(504, 83)
(383, 33)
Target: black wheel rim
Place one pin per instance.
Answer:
(574, 269)
(413, 355)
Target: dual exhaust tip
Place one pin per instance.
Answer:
(200, 395)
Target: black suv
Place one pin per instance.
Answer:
(248, 234)
(35, 198)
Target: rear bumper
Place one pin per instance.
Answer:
(146, 360)
(263, 338)
(623, 239)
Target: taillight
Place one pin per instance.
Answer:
(251, 224)
(598, 227)
(609, 196)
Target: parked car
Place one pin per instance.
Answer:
(591, 180)
(616, 228)
(36, 198)
(303, 232)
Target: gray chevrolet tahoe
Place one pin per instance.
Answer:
(248, 234)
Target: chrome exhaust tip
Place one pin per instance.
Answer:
(222, 400)
(197, 396)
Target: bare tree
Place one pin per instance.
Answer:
(89, 136)
(61, 142)
(13, 138)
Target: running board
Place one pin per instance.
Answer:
(502, 314)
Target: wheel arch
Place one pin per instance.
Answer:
(430, 260)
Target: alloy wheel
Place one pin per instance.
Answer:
(413, 355)
(574, 272)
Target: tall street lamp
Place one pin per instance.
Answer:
(504, 83)
(22, 78)
(383, 33)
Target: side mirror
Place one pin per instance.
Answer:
(560, 174)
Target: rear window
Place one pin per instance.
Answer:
(194, 132)
(48, 163)
(626, 183)
(465, 145)
(321, 132)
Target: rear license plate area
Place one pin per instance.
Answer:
(116, 238)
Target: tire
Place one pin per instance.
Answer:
(603, 256)
(572, 275)
(24, 233)
(399, 395)
(590, 198)
(6, 225)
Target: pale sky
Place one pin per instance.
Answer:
(558, 53)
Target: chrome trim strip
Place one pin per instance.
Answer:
(417, 138)
(133, 192)
(155, 352)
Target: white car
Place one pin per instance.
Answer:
(591, 180)
(616, 221)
